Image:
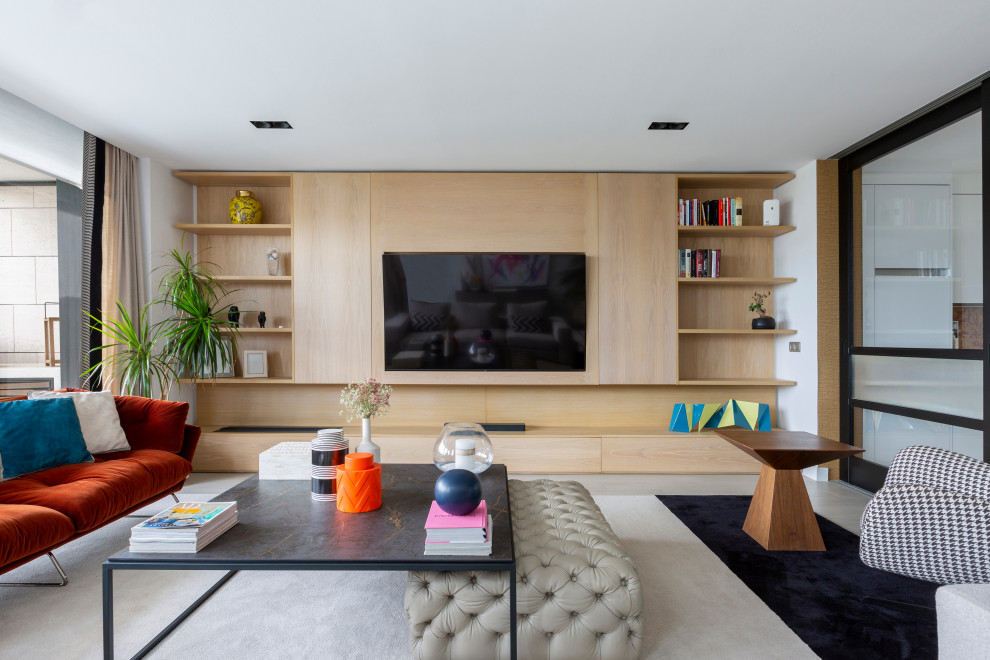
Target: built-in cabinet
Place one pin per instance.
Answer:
(652, 339)
(638, 311)
(331, 245)
(716, 344)
(237, 254)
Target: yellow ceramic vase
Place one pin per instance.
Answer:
(245, 209)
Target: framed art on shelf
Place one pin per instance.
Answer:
(256, 364)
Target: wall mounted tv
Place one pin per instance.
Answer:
(484, 312)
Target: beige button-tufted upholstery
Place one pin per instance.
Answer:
(578, 594)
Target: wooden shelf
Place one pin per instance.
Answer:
(730, 180)
(236, 178)
(255, 279)
(733, 331)
(714, 281)
(230, 229)
(239, 381)
(736, 382)
(263, 331)
(735, 232)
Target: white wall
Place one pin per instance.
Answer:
(164, 201)
(796, 305)
(33, 137)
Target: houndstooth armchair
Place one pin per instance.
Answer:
(931, 519)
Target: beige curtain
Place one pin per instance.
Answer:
(124, 277)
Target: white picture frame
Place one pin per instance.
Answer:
(255, 364)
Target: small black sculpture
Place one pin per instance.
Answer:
(234, 316)
(261, 319)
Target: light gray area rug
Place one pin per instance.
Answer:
(694, 606)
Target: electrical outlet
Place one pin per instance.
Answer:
(794, 346)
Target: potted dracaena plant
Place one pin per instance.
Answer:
(194, 339)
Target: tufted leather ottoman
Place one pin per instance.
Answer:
(578, 594)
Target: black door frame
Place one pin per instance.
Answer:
(856, 470)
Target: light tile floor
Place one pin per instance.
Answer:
(840, 504)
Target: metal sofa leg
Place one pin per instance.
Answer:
(58, 567)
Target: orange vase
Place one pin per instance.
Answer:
(359, 484)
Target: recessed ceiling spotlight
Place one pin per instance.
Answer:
(271, 124)
(668, 126)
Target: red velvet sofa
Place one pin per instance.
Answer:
(44, 510)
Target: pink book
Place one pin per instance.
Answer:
(440, 519)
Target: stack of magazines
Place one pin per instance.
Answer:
(447, 534)
(184, 527)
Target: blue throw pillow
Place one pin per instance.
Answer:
(40, 434)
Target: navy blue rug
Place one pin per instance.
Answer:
(817, 594)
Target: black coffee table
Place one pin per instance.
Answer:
(281, 528)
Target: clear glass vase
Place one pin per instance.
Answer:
(463, 445)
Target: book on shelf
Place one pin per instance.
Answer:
(184, 527)
(724, 212)
(699, 263)
(447, 534)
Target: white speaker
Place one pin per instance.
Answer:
(771, 212)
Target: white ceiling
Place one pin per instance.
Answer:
(508, 85)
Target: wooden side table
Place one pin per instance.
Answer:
(780, 516)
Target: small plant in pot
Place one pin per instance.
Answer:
(761, 322)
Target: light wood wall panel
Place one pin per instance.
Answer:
(609, 406)
(490, 212)
(426, 405)
(828, 304)
(726, 356)
(573, 455)
(485, 212)
(332, 248)
(243, 255)
(720, 306)
(213, 203)
(692, 453)
(637, 312)
(319, 405)
(741, 257)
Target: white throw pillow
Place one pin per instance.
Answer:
(98, 419)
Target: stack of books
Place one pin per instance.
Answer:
(447, 534)
(725, 212)
(184, 527)
(699, 263)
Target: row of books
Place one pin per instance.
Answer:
(725, 212)
(447, 534)
(699, 263)
(184, 527)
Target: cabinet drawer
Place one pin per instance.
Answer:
(685, 454)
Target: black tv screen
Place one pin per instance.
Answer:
(484, 312)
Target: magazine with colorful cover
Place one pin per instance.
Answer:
(188, 515)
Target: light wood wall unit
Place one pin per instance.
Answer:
(730, 349)
(333, 229)
(637, 322)
(496, 213)
(332, 243)
(238, 257)
(683, 453)
(568, 427)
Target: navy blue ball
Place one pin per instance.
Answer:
(458, 492)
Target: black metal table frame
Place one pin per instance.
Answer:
(232, 567)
